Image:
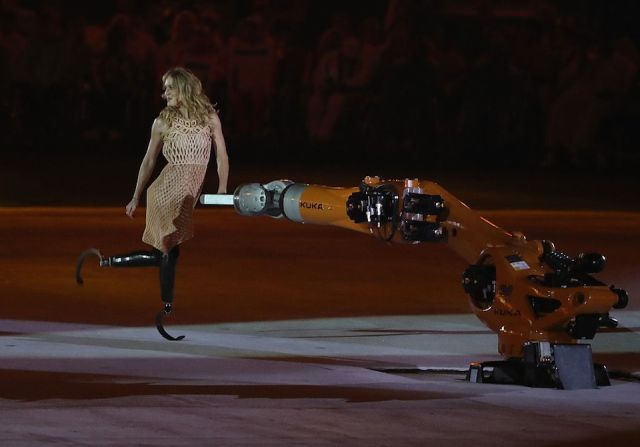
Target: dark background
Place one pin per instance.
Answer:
(536, 97)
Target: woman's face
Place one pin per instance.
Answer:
(171, 93)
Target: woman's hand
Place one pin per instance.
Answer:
(131, 207)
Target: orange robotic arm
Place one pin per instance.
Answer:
(525, 291)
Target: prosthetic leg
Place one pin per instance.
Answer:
(154, 258)
(168, 264)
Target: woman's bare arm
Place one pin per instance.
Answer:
(222, 159)
(147, 165)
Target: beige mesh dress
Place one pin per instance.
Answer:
(172, 197)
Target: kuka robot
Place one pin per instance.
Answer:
(542, 303)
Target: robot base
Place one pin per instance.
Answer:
(544, 365)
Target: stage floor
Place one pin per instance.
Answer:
(295, 335)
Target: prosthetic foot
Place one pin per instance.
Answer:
(83, 255)
(159, 323)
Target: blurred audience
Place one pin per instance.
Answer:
(251, 72)
(484, 82)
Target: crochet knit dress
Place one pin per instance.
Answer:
(172, 197)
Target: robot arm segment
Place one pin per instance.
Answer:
(298, 202)
(405, 211)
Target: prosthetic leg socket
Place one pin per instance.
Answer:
(134, 259)
(140, 258)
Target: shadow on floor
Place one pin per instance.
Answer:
(43, 385)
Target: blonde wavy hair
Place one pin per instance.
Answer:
(195, 100)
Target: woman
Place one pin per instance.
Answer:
(183, 131)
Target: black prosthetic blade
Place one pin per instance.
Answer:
(161, 329)
(84, 254)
